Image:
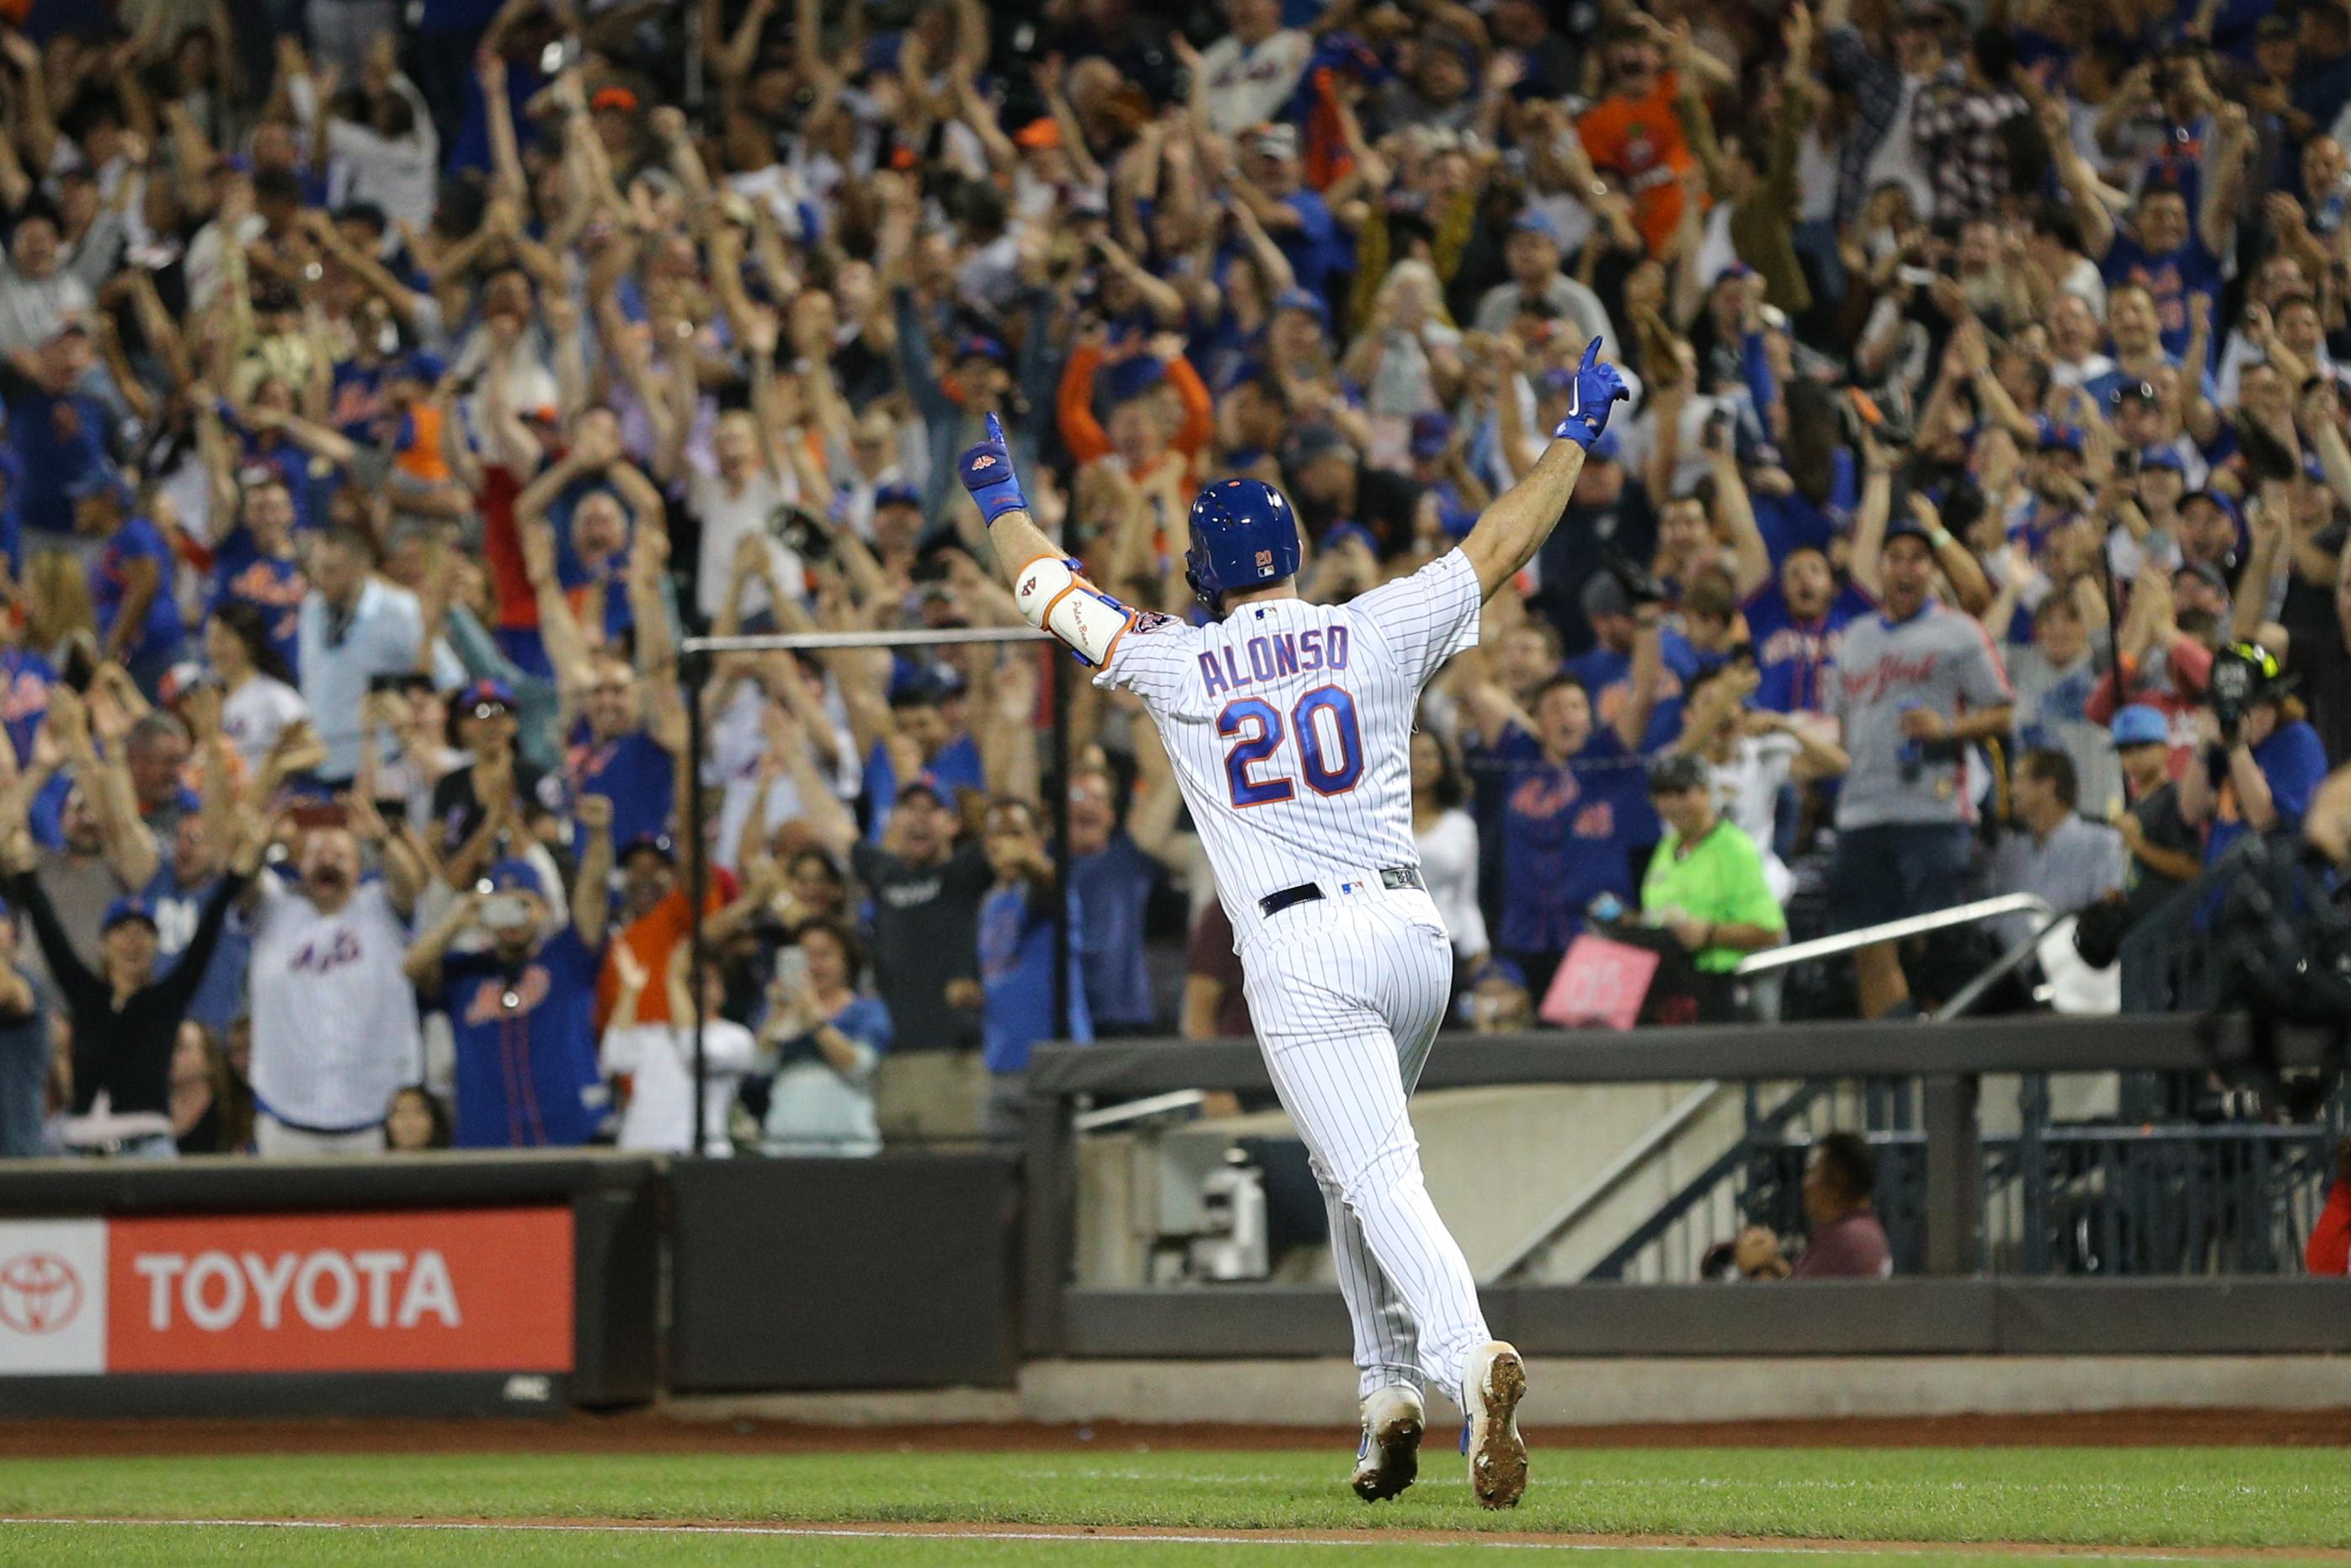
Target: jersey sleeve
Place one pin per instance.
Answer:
(1153, 658)
(1983, 678)
(1427, 617)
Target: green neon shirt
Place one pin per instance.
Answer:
(1719, 880)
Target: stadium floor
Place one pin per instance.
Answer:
(643, 1489)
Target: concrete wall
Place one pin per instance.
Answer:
(1498, 1163)
(1588, 1393)
(1606, 1391)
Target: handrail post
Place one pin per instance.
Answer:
(1954, 1172)
(1047, 1219)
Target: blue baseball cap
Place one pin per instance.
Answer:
(1533, 221)
(102, 481)
(485, 692)
(1431, 434)
(2218, 497)
(1133, 377)
(516, 876)
(1907, 529)
(2162, 457)
(2056, 437)
(129, 906)
(2139, 724)
(651, 843)
(1304, 299)
(1606, 447)
(1499, 969)
(979, 345)
(896, 495)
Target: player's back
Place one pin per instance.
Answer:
(1290, 726)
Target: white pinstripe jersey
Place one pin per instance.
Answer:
(1289, 725)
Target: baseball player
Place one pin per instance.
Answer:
(1289, 725)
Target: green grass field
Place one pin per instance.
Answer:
(2210, 1500)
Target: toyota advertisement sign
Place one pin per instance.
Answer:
(408, 1291)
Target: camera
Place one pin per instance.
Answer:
(505, 911)
(1640, 584)
(2232, 688)
(802, 532)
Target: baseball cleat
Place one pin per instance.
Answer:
(1388, 1458)
(1490, 1392)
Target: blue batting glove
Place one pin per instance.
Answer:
(1595, 391)
(987, 472)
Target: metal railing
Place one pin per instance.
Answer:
(1958, 914)
(2135, 1259)
(1658, 1138)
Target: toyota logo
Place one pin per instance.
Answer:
(39, 1292)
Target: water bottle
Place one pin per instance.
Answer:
(1910, 761)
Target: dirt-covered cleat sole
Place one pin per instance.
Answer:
(1497, 1381)
(1388, 1458)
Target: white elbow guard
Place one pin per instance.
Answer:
(1054, 598)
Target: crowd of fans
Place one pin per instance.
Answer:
(386, 397)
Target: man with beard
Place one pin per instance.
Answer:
(2178, 268)
(334, 1015)
(927, 891)
(523, 1008)
(1916, 685)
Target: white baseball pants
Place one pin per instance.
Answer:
(1346, 995)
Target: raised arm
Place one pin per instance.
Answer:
(1735, 510)
(1510, 532)
(1648, 676)
(2224, 179)
(592, 902)
(2080, 185)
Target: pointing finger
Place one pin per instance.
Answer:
(996, 428)
(1590, 354)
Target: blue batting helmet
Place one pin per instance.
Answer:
(1244, 535)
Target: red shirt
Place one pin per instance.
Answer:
(1641, 141)
(2330, 1238)
(502, 548)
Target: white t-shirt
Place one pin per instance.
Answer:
(2071, 373)
(727, 516)
(334, 1019)
(1448, 864)
(1896, 157)
(1746, 790)
(1247, 86)
(779, 190)
(252, 715)
(737, 742)
(660, 1113)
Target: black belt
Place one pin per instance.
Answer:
(1395, 877)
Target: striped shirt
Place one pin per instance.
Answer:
(1290, 726)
